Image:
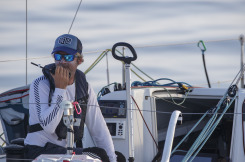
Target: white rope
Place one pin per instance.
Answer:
(218, 82)
(140, 46)
(30, 58)
(184, 43)
(161, 112)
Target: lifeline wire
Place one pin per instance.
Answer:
(30, 58)
(143, 46)
(150, 111)
(184, 43)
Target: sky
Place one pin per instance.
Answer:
(164, 33)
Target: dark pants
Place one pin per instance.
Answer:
(34, 151)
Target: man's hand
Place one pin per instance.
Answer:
(61, 77)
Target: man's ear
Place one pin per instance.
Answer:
(79, 60)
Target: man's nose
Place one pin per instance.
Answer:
(62, 60)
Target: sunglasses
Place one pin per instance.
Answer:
(68, 58)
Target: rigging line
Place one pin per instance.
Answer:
(163, 98)
(144, 121)
(180, 103)
(201, 135)
(137, 67)
(241, 74)
(102, 55)
(137, 75)
(241, 71)
(4, 140)
(75, 16)
(187, 135)
(100, 51)
(211, 130)
(211, 122)
(185, 43)
(173, 44)
(161, 112)
(43, 57)
(94, 64)
(30, 58)
(218, 82)
(205, 69)
(173, 101)
(142, 72)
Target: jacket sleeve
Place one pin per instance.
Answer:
(48, 116)
(97, 126)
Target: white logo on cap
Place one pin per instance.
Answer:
(65, 40)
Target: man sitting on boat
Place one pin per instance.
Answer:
(63, 81)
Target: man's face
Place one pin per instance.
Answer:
(71, 66)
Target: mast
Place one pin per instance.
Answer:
(26, 42)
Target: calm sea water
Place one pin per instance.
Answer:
(100, 24)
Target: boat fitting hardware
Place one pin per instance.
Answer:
(127, 60)
(232, 90)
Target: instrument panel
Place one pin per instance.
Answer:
(113, 108)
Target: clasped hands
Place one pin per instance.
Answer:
(61, 77)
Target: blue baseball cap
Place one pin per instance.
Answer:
(68, 43)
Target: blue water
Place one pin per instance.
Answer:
(100, 24)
